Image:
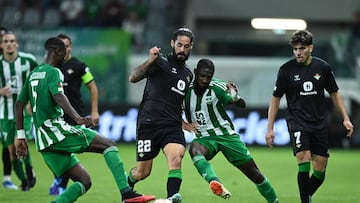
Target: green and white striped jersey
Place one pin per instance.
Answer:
(13, 74)
(208, 111)
(44, 82)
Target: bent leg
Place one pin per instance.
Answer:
(263, 185)
(82, 183)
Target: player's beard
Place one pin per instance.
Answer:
(181, 59)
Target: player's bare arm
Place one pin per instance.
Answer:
(139, 72)
(339, 104)
(20, 142)
(94, 102)
(273, 109)
(64, 103)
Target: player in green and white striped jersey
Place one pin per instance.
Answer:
(58, 141)
(204, 109)
(15, 66)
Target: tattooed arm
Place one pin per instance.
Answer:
(139, 72)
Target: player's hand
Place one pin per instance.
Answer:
(84, 121)
(191, 127)
(154, 53)
(5, 91)
(94, 118)
(21, 148)
(231, 85)
(270, 137)
(349, 128)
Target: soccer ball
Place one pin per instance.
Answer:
(162, 201)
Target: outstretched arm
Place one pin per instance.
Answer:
(339, 105)
(139, 72)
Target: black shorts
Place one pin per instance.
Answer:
(317, 142)
(152, 138)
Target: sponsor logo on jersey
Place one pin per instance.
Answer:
(173, 70)
(317, 76)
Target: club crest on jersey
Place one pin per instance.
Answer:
(317, 76)
(70, 71)
(296, 77)
(208, 99)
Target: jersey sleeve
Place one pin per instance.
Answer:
(331, 85)
(55, 81)
(221, 91)
(280, 84)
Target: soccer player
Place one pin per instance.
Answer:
(7, 183)
(15, 66)
(75, 74)
(56, 140)
(159, 118)
(304, 80)
(204, 109)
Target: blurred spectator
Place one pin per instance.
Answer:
(92, 11)
(140, 7)
(114, 13)
(72, 11)
(135, 26)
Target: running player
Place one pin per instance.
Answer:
(207, 118)
(56, 140)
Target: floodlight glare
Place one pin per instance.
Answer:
(278, 24)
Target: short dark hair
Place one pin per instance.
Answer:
(64, 36)
(303, 37)
(183, 31)
(205, 63)
(53, 44)
(3, 29)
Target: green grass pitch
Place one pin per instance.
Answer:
(278, 164)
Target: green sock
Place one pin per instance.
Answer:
(18, 168)
(116, 167)
(267, 191)
(72, 193)
(204, 168)
(27, 161)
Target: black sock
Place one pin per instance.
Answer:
(64, 181)
(173, 186)
(315, 184)
(304, 184)
(6, 161)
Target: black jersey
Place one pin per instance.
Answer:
(73, 71)
(304, 87)
(166, 85)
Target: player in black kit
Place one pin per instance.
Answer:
(160, 112)
(304, 80)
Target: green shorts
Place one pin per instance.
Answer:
(8, 129)
(60, 158)
(234, 150)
